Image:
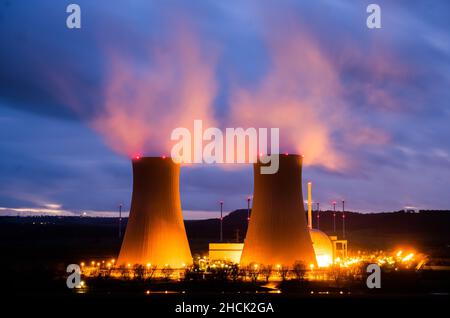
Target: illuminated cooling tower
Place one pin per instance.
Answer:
(155, 232)
(277, 233)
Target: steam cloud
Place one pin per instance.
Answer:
(302, 94)
(142, 105)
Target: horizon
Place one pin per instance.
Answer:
(187, 215)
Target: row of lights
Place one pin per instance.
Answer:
(112, 262)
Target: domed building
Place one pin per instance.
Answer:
(323, 247)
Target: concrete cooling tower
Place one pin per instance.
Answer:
(155, 232)
(277, 232)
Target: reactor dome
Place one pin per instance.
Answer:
(323, 247)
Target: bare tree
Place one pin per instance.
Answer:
(253, 271)
(138, 271)
(336, 273)
(266, 271)
(284, 271)
(233, 272)
(150, 271)
(299, 269)
(124, 273)
(167, 272)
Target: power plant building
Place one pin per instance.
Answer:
(277, 232)
(155, 233)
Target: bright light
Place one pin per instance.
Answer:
(324, 260)
(311, 266)
(148, 265)
(408, 257)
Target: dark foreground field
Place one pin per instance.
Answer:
(36, 250)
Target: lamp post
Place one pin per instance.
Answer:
(334, 216)
(248, 209)
(318, 215)
(343, 219)
(120, 221)
(221, 221)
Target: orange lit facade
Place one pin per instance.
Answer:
(277, 232)
(155, 233)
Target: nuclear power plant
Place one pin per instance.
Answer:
(277, 232)
(155, 233)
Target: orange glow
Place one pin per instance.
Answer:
(131, 119)
(303, 94)
(155, 217)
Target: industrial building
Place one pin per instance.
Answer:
(277, 232)
(229, 252)
(155, 233)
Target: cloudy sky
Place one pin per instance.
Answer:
(369, 109)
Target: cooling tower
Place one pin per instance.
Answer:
(277, 232)
(155, 232)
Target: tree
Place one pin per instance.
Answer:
(167, 272)
(284, 271)
(253, 271)
(138, 271)
(150, 271)
(266, 271)
(299, 269)
(233, 273)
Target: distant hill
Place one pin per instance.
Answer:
(425, 229)
(428, 231)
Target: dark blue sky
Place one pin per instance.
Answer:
(369, 109)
